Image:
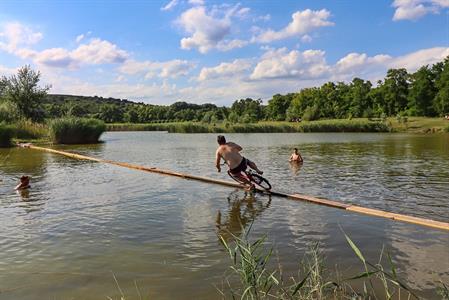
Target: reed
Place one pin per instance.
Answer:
(261, 127)
(28, 130)
(250, 263)
(75, 130)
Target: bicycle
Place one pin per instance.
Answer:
(252, 177)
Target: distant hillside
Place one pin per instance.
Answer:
(65, 99)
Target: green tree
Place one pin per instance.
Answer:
(277, 107)
(395, 91)
(422, 92)
(358, 97)
(76, 110)
(441, 101)
(110, 113)
(24, 91)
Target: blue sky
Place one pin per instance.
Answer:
(215, 51)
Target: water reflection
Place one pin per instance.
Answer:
(295, 167)
(243, 209)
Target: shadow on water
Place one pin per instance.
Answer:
(243, 209)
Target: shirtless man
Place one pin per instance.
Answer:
(296, 156)
(230, 152)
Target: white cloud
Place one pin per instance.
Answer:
(54, 57)
(79, 38)
(14, 35)
(237, 67)
(169, 5)
(232, 44)
(94, 53)
(264, 18)
(294, 64)
(168, 69)
(306, 38)
(415, 9)
(302, 22)
(99, 52)
(196, 2)
(208, 30)
(415, 60)
(5, 71)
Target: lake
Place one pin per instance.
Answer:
(84, 223)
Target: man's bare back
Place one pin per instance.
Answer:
(230, 152)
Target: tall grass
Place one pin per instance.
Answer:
(26, 130)
(250, 265)
(75, 130)
(262, 127)
(6, 134)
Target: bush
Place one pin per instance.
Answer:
(76, 130)
(6, 134)
(8, 112)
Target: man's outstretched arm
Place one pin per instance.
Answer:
(217, 161)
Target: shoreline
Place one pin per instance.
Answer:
(391, 125)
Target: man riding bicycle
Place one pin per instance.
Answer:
(230, 152)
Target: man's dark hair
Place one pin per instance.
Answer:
(221, 140)
(296, 149)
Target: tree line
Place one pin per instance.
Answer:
(422, 93)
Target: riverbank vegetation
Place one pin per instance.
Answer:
(402, 102)
(75, 130)
(354, 125)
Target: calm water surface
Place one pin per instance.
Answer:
(81, 223)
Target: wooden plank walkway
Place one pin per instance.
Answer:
(298, 197)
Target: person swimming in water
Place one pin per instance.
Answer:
(24, 183)
(296, 156)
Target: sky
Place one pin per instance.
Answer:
(203, 51)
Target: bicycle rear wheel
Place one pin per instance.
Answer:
(236, 178)
(260, 181)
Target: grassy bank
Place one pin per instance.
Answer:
(356, 125)
(75, 130)
(418, 125)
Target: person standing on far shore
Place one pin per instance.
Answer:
(296, 156)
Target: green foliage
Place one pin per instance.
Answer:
(6, 134)
(226, 127)
(26, 130)
(75, 130)
(23, 90)
(422, 92)
(441, 103)
(9, 112)
(311, 113)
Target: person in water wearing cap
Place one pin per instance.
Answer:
(24, 183)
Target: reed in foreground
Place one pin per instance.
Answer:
(250, 266)
(75, 130)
